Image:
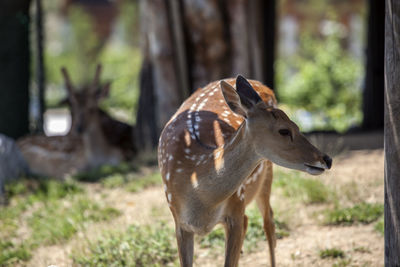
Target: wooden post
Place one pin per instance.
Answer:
(40, 73)
(14, 67)
(392, 133)
(374, 81)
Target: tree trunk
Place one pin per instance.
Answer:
(392, 133)
(374, 83)
(190, 43)
(14, 67)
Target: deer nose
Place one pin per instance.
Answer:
(328, 161)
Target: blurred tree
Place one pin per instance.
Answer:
(14, 67)
(392, 134)
(374, 83)
(188, 43)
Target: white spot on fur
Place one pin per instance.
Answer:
(179, 170)
(187, 150)
(167, 176)
(169, 197)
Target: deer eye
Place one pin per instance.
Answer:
(285, 132)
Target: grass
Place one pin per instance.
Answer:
(380, 225)
(309, 190)
(360, 213)
(104, 172)
(52, 211)
(150, 245)
(124, 175)
(132, 182)
(12, 253)
(254, 234)
(58, 221)
(331, 253)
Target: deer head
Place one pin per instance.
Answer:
(271, 133)
(84, 102)
(86, 119)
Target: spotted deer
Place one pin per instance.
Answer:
(56, 156)
(117, 133)
(215, 157)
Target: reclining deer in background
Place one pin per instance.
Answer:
(59, 155)
(117, 133)
(215, 157)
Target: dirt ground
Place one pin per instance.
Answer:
(362, 245)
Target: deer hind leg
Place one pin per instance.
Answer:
(185, 246)
(235, 224)
(267, 213)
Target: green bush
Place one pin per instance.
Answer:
(323, 81)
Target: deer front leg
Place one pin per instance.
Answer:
(185, 246)
(269, 229)
(266, 211)
(235, 229)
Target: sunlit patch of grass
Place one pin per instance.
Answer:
(331, 253)
(255, 232)
(360, 213)
(308, 190)
(57, 221)
(150, 245)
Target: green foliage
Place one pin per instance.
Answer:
(331, 253)
(309, 190)
(323, 80)
(362, 213)
(150, 245)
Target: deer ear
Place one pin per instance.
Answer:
(103, 91)
(233, 99)
(248, 96)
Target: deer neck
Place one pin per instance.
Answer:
(97, 149)
(238, 162)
